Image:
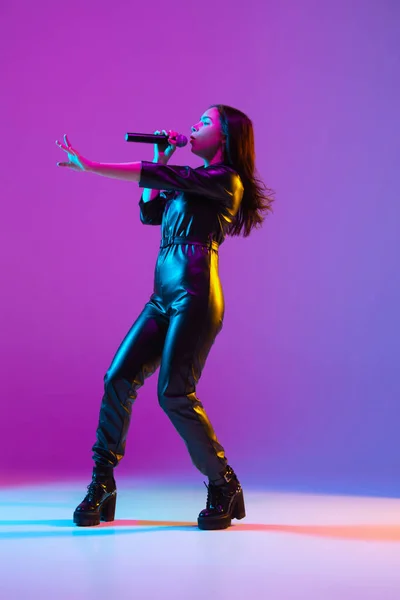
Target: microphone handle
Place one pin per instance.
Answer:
(145, 138)
(150, 138)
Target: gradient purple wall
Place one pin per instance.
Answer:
(302, 385)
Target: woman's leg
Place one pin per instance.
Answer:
(194, 325)
(136, 359)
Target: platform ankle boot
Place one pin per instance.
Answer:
(224, 502)
(99, 502)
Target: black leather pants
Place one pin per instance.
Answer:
(175, 331)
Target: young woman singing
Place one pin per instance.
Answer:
(196, 208)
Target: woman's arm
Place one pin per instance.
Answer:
(149, 194)
(217, 182)
(152, 202)
(151, 213)
(127, 171)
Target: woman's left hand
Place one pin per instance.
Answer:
(76, 162)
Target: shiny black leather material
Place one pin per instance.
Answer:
(224, 503)
(98, 504)
(198, 204)
(178, 325)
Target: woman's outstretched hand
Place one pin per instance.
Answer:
(75, 160)
(164, 150)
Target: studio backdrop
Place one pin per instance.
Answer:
(302, 384)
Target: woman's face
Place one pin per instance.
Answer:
(207, 137)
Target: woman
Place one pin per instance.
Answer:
(179, 323)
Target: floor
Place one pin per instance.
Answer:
(289, 546)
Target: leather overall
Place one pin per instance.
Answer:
(179, 323)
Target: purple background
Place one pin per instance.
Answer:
(302, 384)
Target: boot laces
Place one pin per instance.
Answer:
(214, 495)
(94, 488)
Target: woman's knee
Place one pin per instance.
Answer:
(174, 396)
(114, 381)
(165, 397)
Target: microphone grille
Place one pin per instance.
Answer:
(181, 140)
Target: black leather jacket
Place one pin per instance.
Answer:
(198, 204)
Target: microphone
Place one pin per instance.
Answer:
(150, 138)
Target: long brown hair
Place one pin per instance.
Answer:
(239, 153)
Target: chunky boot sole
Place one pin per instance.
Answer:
(224, 521)
(106, 512)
